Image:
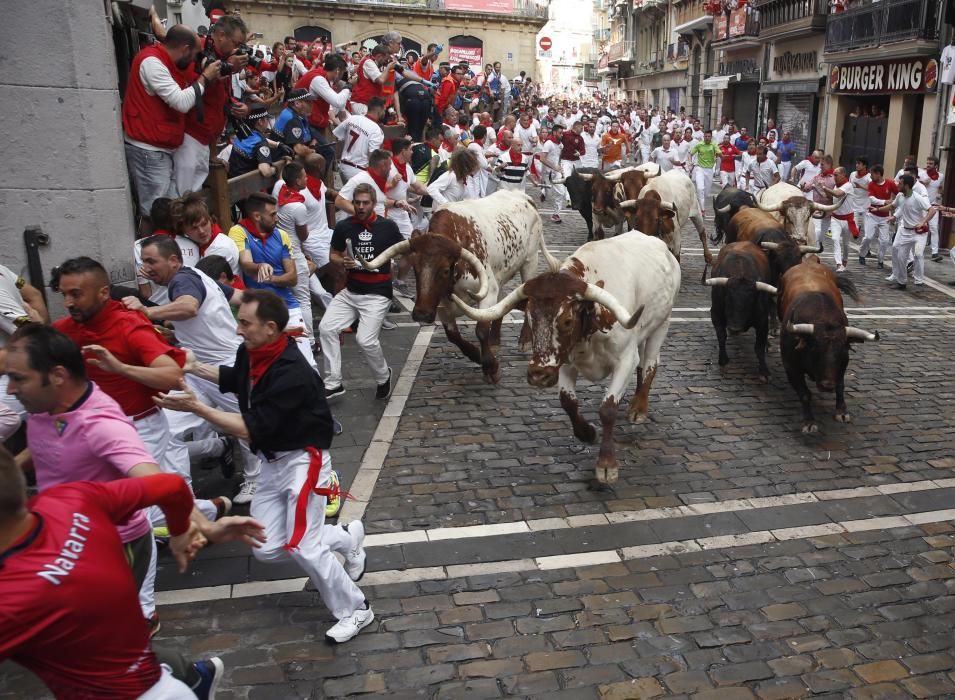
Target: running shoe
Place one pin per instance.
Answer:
(210, 673)
(355, 557)
(333, 392)
(350, 626)
(388, 325)
(556, 219)
(161, 535)
(384, 389)
(246, 492)
(333, 505)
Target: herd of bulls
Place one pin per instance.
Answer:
(605, 311)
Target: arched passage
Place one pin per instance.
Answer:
(406, 44)
(310, 32)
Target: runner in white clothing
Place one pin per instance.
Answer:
(404, 181)
(590, 158)
(860, 179)
(909, 209)
(360, 135)
(806, 170)
(933, 181)
(842, 222)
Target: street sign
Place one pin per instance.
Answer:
(546, 43)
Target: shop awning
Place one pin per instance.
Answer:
(791, 86)
(700, 22)
(719, 82)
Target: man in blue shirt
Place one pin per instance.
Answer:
(786, 149)
(264, 249)
(742, 141)
(291, 126)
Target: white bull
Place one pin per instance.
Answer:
(473, 247)
(665, 204)
(788, 204)
(605, 313)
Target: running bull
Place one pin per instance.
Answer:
(609, 189)
(766, 231)
(816, 334)
(726, 204)
(604, 313)
(473, 247)
(788, 204)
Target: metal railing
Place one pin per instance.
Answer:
(773, 13)
(677, 51)
(620, 51)
(523, 8)
(739, 24)
(880, 23)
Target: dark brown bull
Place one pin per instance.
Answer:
(766, 231)
(742, 297)
(816, 334)
(607, 190)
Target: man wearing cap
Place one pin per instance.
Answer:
(158, 96)
(205, 123)
(291, 127)
(255, 150)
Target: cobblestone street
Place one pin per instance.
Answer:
(735, 558)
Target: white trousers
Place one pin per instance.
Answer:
(182, 422)
(316, 247)
(294, 519)
(933, 233)
(560, 192)
(347, 171)
(191, 165)
(876, 227)
(784, 170)
(567, 168)
(841, 235)
(147, 591)
(301, 290)
(703, 177)
(905, 244)
(304, 342)
(727, 179)
(370, 310)
(168, 688)
(644, 153)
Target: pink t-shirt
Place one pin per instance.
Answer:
(95, 441)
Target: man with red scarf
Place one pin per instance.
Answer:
(368, 293)
(819, 187)
(379, 177)
(285, 418)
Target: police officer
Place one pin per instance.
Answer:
(291, 126)
(255, 150)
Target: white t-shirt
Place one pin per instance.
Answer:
(190, 256)
(400, 191)
(846, 203)
(527, 136)
(909, 211)
(348, 190)
(860, 197)
(934, 187)
(359, 136)
(590, 158)
(948, 65)
(663, 158)
(808, 171)
(222, 245)
(551, 152)
(11, 303)
(682, 152)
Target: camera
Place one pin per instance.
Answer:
(208, 55)
(246, 50)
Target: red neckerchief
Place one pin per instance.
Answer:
(826, 173)
(516, 159)
(163, 232)
(382, 182)
(366, 224)
(261, 358)
(204, 248)
(433, 149)
(402, 170)
(932, 176)
(448, 146)
(288, 196)
(249, 225)
(315, 186)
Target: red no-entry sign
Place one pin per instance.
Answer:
(546, 43)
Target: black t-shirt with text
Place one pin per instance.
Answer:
(368, 243)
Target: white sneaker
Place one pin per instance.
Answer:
(840, 268)
(355, 558)
(350, 626)
(245, 493)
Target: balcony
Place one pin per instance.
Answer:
(677, 51)
(601, 35)
(591, 74)
(522, 8)
(780, 19)
(736, 29)
(690, 16)
(881, 23)
(620, 51)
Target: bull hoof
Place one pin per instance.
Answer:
(587, 434)
(636, 417)
(596, 485)
(843, 418)
(492, 377)
(724, 360)
(809, 428)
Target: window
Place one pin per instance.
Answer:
(177, 17)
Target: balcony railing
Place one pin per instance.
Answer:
(523, 8)
(881, 23)
(738, 24)
(590, 72)
(602, 35)
(620, 51)
(775, 13)
(677, 51)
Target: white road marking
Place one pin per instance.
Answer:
(582, 559)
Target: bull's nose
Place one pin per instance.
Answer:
(422, 315)
(542, 376)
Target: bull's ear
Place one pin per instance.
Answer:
(667, 212)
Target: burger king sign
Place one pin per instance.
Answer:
(905, 75)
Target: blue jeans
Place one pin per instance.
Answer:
(153, 175)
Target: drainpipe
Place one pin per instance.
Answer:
(941, 104)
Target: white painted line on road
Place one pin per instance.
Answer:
(565, 561)
(629, 516)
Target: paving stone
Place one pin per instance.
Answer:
(781, 689)
(489, 630)
(420, 677)
(829, 681)
(929, 663)
(635, 689)
(541, 625)
(784, 611)
(492, 668)
(550, 660)
(472, 688)
(688, 681)
(793, 665)
(880, 691)
(725, 694)
(880, 671)
(531, 683)
(353, 685)
(475, 597)
(590, 676)
(930, 686)
(837, 658)
(740, 673)
(458, 652)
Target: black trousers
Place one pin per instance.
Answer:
(416, 111)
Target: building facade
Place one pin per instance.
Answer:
(483, 31)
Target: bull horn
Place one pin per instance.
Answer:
(615, 175)
(492, 313)
(854, 333)
(619, 192)
(824, 208)
(586, 176)
(669, 206)
(388, 254)
(724, 210)
(769, 245)
(810, 249)
(770, 209)
(717, 281)
(628, 203)
(601, 296)
(801, 328)
(768, 288)
(471, 259)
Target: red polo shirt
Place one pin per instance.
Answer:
(132, 339)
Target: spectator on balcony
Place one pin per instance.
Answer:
(157, 99)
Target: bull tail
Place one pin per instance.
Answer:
(552, 263)
(847, 286)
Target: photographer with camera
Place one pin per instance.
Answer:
(225, 44)
(158, 97)
(322, 83)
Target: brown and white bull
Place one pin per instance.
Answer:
(472, 248)
(608, 189)
(665, 204)
(816, 334)
(605, 313)
(788, 204)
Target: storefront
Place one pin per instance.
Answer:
(883, 110)
(793, 91)
(662, 89)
